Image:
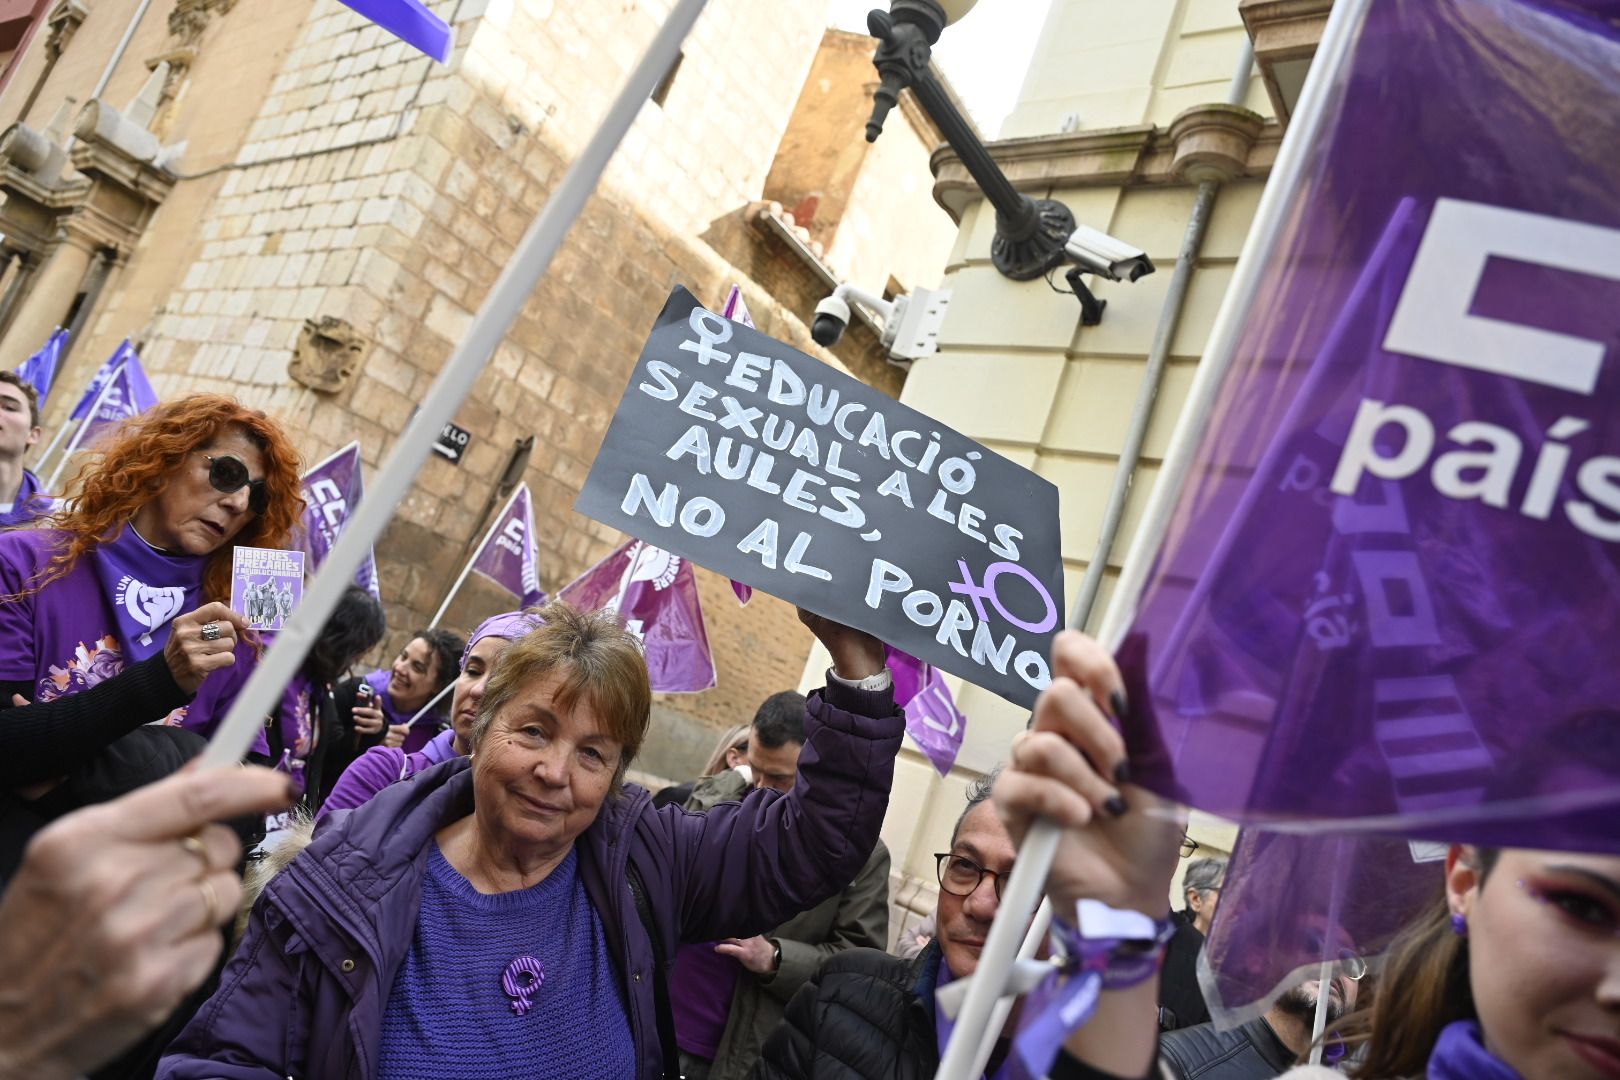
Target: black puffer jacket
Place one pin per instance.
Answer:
(1250, 1051)
(864, 1014)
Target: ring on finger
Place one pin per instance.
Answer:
(210, 631)
(210, 897)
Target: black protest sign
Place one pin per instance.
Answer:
(766, 465)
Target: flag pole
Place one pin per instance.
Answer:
(500, 310)
(477, 553)
(1028, 881)
(84, 425)
(56, 441)
(432, 702)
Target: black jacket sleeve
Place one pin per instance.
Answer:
(47, 739)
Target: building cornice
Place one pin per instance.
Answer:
(1285, 35)
(1202, 141)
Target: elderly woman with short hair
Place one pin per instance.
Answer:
(511, 913)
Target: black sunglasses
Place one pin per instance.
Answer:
(228, 474)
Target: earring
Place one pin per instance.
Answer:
(1459, 924)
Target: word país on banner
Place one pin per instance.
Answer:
(1394, 441)
(780, 471)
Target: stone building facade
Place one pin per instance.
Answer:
(1121, 115)
(281, 202)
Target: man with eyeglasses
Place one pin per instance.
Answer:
(869, 1014)
(1270, 1044)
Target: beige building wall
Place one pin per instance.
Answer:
(1016, 369)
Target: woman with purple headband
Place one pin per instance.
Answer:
(384, 765)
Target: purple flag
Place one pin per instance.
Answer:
(1386, 597)
(508, 556)
(1388, 593)
(736, 310)
(1290, 902)
(332, 489)
(103, 373)
(411, 21)
(127, 393)
(656, 594)
(39, 370)
(933, 721)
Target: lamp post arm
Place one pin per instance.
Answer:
(1030, 233)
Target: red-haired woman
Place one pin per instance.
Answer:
(115, 614)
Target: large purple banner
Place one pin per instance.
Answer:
(1390, 591)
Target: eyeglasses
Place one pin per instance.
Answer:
(1188, 846)
(229, 474)
(961, 876)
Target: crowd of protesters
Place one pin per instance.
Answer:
(473, 888)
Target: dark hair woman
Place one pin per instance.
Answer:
(506, 914)
(384, 765)
(306, 724)
(1513, 975)
(114, 616)
(376, 708)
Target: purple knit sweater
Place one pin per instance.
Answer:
(515, 984)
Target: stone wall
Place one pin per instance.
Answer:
(360, 182)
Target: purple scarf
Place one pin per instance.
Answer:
(147, 589)
(30, 504)
(1460, 1054)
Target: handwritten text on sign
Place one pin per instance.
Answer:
(772, 468)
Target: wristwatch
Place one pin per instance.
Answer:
(776, 954)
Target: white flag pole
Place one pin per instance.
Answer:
(501, 307)
(629, 577)
(477, 554)
(84, 425)
(1023, 891)
(423, 711)
(56, 440)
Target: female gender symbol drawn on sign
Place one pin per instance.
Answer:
(987, 589)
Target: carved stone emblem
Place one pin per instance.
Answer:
(328, 353)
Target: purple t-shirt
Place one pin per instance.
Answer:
(30, 504)
(65, 638)
(704, 982)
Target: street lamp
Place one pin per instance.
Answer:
(1031, 234)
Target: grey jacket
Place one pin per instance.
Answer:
(857, 917)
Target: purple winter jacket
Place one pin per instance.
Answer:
(303, 996)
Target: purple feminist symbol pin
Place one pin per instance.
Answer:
(522, 978)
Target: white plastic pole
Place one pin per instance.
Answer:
(476, 555)
(1028, 879)
(423, 711)
(501, 308)
(84, 425)
(56, 440)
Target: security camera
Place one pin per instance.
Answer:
(909, 324)
(1095, 252)
(832, 314)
